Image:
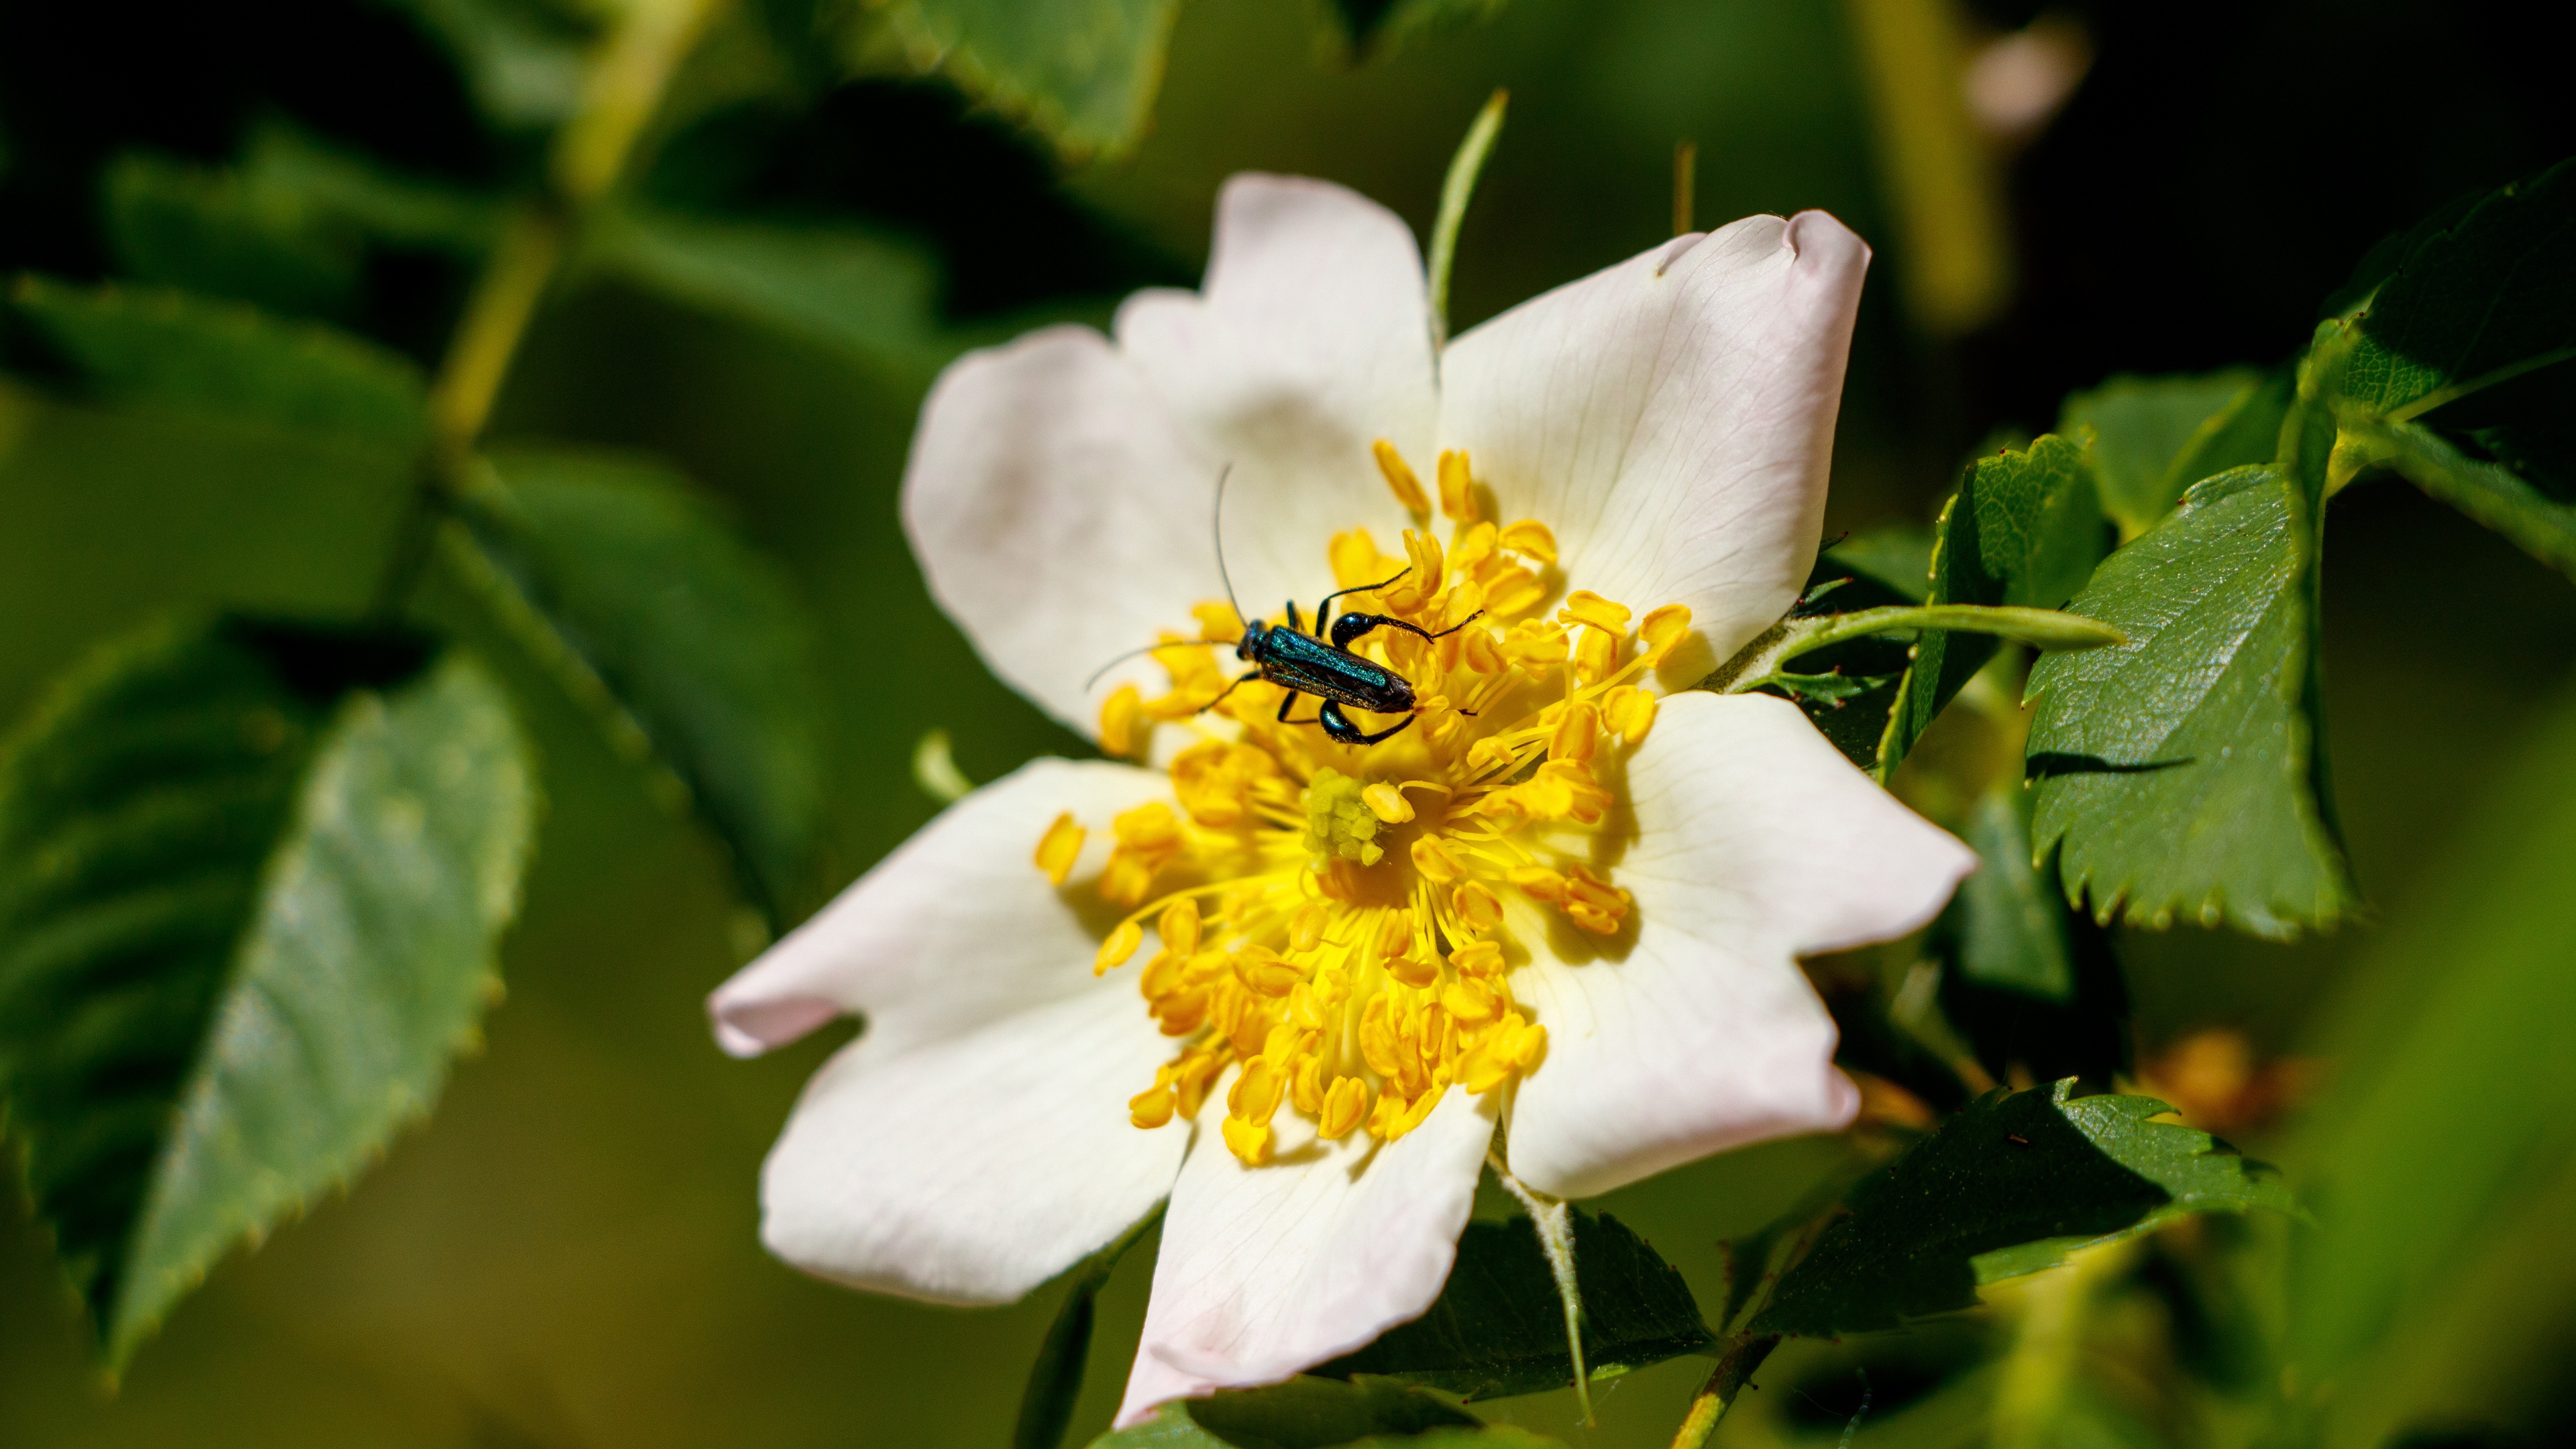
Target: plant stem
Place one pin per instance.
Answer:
(1736, 1362)
(627, 79)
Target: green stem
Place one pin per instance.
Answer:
(627, 78)
(1455, 190)
(1735, 1365)
(1554, 1221)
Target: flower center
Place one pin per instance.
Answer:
(1340, 918)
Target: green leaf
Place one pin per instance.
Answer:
(324, 181)
(168, 349)
(2539, 520)
(2009, 1186)
(2440, 1152)
(1498, 1327)
(251, 878)
(1896, 556)
(2153, 437)
(523, 60)
(2023, 531)
(2177, 770)
(210, 232)
(1315, 1413)
(688, 645)
(1055, 1377)
(1082, 72)
(843, 288)
(2007, 925)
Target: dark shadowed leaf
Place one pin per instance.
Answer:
(1083, 75)
(2024, 531)
(1055, 1377)
(686, 643)
(1499, 1327)
(167, 349)
(523, 60)
(2176, 771)
(251, 879)
(213, 232)
(846, 289)
(2006, 927)
(2009, 1186)
(1315, 1413)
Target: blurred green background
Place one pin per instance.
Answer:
(565, 1255)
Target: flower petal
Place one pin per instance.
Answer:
(1268, 1270)
(1310, 340)
(957, 928)
(1672, 418)
(1060, 513)
(1756, 843)
(972, 1168)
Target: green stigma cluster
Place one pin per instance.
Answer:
(1339, 823)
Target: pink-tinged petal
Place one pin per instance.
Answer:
(1756, 843)
(958, 928)
(1310, 340)
(1672, 419)
(1266, 1271)
(972, 1168)
(1060, 513)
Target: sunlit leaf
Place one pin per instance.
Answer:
(2024, 530)
(2009, 1186)
(2153, 437)
(1498, 1327)
(688, 645)
(2177, 771)
(168, 349)
(251, 878)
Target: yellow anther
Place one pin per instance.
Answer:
(1399, 477)
(1476, 650)
(1471, 549)
(1596, 658)
(1197, 1074)
(1151, 1107)
(1060, 847)
(1413, 971)
(1377, 1038)
(1504, 811)
(1628, 712)
(1306, 928)
(1344, 1105)
(1586, 607)
(1182, 1012)
(1122, 943)
(1457, 490)
(1150, 826)
(1478, 958)
(1598, 922)
(1306, 1086)
(1272, 977)
(1584, 799)
(1179, 926)
(1257, 1090)
(1484, 1069)
(1388, 803)
(1577, 735)
(1514, 590)
(1538, 883)
(1249, 1141)
(1536, 648)
(1304, 1009)
(1477, 907)
(1529, 1043)
(1395, 935)
(1126, 879)
(1664, 630)
(1434, 860)
(1356, 560)
(1218, 621)
(1215, 781)
(1424, 552)
(1119, 716)
(1162, 976)
(1469, 1001)
(1530, 539)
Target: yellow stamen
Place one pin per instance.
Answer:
(1060, 847)
(1399, 477)
(1387, 803)
(1457, 491)
(1122, 943)
(1530, 538)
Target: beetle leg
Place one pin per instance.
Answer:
(1239, 683)
(1323, 610)
(1339, 727)
(1350, 627)
(1288, 704)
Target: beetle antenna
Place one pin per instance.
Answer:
(1149, 649)
(1223, 474)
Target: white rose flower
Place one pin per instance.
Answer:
(1296, 983)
